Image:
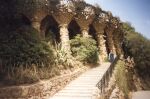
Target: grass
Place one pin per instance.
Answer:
(32, 74)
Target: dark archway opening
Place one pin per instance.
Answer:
(20, 20)
(23, 20)
(92, 32)
(74, 29)
(50, 29)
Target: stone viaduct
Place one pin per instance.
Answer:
(67, 18)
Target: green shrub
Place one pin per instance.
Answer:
(24, 47)
(84, 49)
(25, 58)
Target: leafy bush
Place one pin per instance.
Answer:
(84, 49)
(24, 47)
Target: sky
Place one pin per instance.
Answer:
(137, 12)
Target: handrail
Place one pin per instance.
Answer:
(103, 83)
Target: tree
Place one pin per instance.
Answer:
(137, 46)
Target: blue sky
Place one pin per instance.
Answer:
(137, 12)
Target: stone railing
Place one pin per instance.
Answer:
(40, 90)
(103, 83)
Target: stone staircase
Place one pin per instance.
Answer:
(84, 87)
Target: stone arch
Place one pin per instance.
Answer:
(92, 32)
(74, 29)
(50, 28)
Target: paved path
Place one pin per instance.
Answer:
(141, 95)
(84, 87)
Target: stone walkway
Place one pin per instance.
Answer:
(84, 87)
(141, 95)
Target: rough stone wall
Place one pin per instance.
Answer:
(40, 90)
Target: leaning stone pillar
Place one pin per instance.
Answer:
(110, 40)
(37, 25)
(112, 26)
(117, 45)
(99, 24)
(63, 14)
(64, 36)
(85, 32)
(102, 46)
(118, 40)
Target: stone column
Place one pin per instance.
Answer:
(118, 49)
(36, 25)
(63, 14)
(110, 41)
(85, 32)
(64, 36)
(99, 25)
(102, 46)
(118, 39)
